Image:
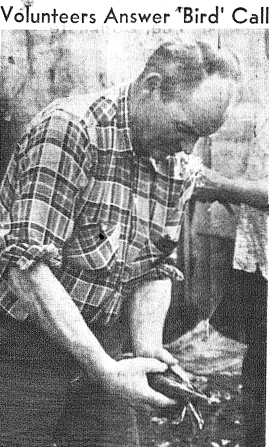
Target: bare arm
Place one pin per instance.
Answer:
(51, 306)
(238, 190)
(147, 316)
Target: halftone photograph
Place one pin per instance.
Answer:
(133, 236)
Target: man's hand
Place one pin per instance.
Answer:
(158, 353)
(128, 380)
(166, 357)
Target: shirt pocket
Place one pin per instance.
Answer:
(95, 246)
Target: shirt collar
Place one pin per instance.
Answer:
(122, 114)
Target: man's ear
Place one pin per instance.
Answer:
(152, 81)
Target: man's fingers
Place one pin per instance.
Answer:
(182, 373)
(167, 358)
(149, 365)
(142, 365)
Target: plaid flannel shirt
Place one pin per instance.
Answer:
(77, 197)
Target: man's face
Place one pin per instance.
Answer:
(173, 122)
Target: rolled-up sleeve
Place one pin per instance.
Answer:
(163, 266)
(40, 192)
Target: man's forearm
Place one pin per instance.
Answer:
(148, 310)
(51, 306)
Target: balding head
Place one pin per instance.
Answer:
(183, 93)
(189, 63)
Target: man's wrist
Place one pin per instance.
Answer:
(99, 371)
